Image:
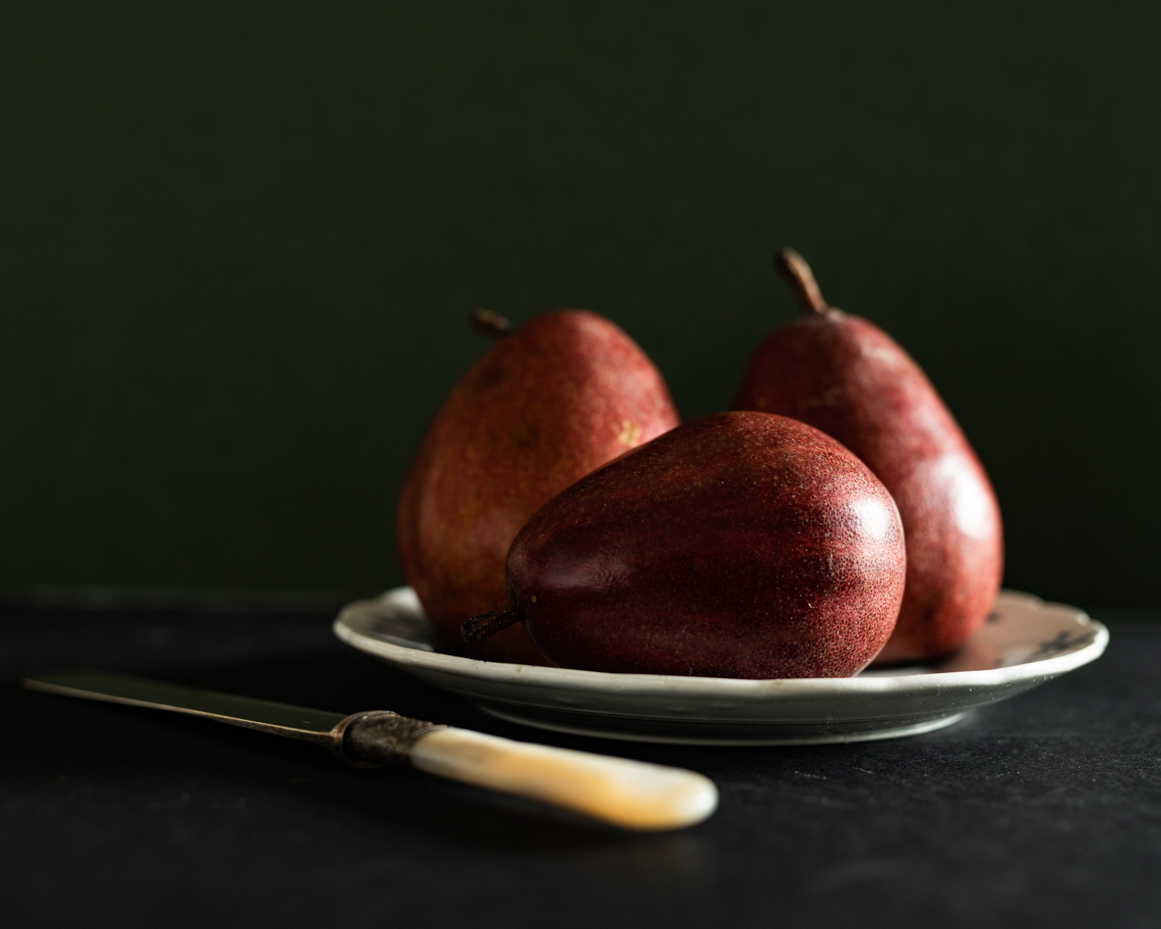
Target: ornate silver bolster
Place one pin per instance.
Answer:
(378, 738)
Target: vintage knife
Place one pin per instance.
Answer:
(631, 794)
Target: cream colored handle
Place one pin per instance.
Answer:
(631, 794)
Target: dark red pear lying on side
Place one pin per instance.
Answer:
(557, 398)
(737, 545)
(848, 378)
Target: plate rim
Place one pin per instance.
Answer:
(610, 681)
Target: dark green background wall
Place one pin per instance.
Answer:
(238, 242)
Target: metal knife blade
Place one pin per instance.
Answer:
(297, 722)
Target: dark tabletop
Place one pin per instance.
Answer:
(1042, 811)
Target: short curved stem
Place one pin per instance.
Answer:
(478, 628)
(485, 322)
(794, 268)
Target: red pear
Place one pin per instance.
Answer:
(557, 398)
(737, 545)
(848, 378)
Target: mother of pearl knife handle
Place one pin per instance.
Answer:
(631, 794)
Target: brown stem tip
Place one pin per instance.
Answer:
(794, 268)
(485, 322)
(478, 628)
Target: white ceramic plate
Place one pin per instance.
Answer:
(1024, 643)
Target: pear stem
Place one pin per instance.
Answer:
(478, 628)
(485, 322)
(794, 268)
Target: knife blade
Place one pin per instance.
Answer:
(630, 794)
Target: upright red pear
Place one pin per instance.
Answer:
(737, 545)
(550, 402)
(848, 378)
